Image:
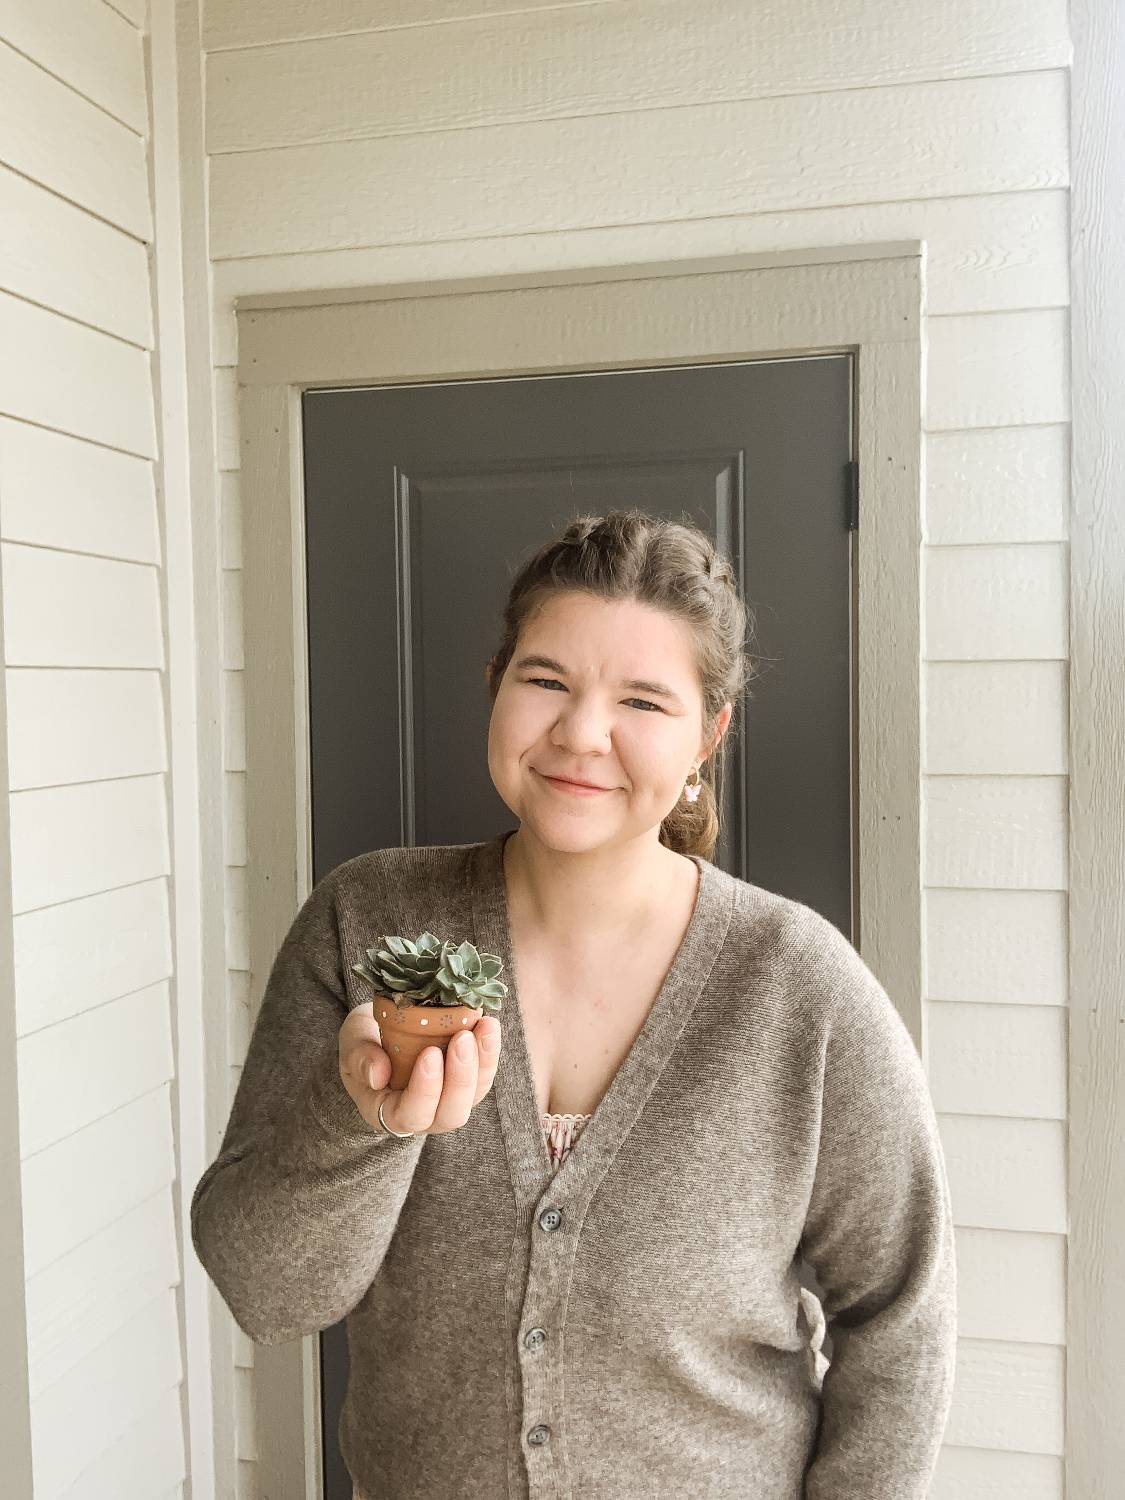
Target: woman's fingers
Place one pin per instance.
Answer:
(487, 1034)
(459, 1082)
(362, 1059)
(413, 1107)
(436, 1099)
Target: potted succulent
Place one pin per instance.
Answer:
(426, 992)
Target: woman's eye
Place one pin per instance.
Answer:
(548, 680)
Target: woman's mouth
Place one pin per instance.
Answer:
(573, 787)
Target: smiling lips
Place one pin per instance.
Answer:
(574, 786)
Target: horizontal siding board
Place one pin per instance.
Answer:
(65, 259)
(124, 939)
(997, 603)
(52, 135)
(1008, 1396)
(996, 947)
(997, 369)
(73, 841)
(134, 11)
(90, 47)
(83, 725)
(605, 59)
(65, 609)
(82, 1069)
(998, 1059)
(1011, 1286)
(140, 1462)
(81, 1299)
(966, 136)
(75, 379)
(1006, 1174)
(996, 718)
(984, 1474)
(86, 1181)
(60, 491)
(96, 1402)
(1005, 250)
(1007, 832)
(231, 23)
(998, 484)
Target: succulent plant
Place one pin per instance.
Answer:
(402, 967)
(430, 972)
(469, 977)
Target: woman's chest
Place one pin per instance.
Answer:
(584, 1007)
(581, 1021)
(577, 1040)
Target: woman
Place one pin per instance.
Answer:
(570, 1258)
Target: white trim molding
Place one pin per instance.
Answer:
(15, 1386)
(1095, 1381)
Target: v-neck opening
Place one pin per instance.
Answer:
(637, 1074)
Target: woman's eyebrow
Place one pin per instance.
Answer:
(660, 689)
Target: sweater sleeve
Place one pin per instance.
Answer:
(292, 1219)
(879, 1233)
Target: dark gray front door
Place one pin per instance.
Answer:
(422, 500)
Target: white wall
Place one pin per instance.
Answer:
(82, 562)
(363, 141)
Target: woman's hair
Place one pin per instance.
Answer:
(670, 565)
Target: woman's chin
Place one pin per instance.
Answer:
(569, 833)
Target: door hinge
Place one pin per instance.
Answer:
(851, 495)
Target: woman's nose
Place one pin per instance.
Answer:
(582, 726)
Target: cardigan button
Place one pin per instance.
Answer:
(550, 1218)
(539, 1434)
(535, 1339)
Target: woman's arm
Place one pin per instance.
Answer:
(879, 1234)
(294, 1216)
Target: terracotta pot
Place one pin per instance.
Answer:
(407, 1030)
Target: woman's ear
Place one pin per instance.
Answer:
(721, 724)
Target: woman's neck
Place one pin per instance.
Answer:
(610, 893)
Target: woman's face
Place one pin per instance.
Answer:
(578, 713)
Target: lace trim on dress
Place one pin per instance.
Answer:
(561, 1132)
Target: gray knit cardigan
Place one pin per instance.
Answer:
(631, 1324)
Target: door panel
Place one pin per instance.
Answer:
(420, 503)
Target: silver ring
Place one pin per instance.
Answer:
(403, 1135)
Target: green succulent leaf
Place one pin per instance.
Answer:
(427, 971)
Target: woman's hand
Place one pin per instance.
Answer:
(432, 1103)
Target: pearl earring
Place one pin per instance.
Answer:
(692, 791)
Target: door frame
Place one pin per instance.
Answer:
(867, 300)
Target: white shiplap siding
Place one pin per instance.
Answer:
(356, 143)
(85, 677)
